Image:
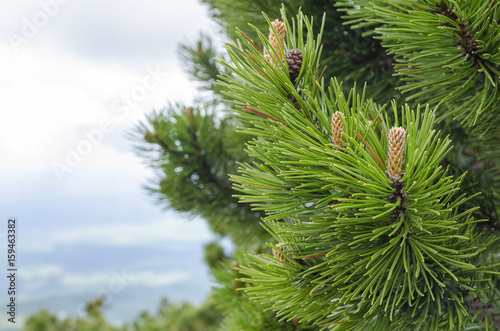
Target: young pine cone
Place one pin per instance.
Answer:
(280, 29)
(294, 61)
(277, 254)
(337, 129)
(397, 142)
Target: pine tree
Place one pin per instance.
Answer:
(92, 321)
(350, 153)
(373, 232)
(380, 199)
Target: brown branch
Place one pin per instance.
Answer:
(313, 256)
(382, 121)
(318, 79)
(321, 75)
(250, 40)
(417, 7)
(371, 150)
(189, 111)
(251, 57)
(379, 117)
(251, 110)
(485, 13)
(333, 323)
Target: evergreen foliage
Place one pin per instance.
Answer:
(240, 312)
(448, 53)
(372, 231)
(379, 202)
(193, 151)
(198, 59)
(169, 316)
(92, 321)
(180, 317)
(348, 54)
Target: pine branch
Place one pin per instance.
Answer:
(448, 51)
(192, 154)
(195, 143)
(396, 247)
(199, 60)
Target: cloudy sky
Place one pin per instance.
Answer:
(74, 77)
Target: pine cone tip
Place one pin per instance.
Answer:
(337, 129)
(395, 154)
(294, 60)
(279, 256)
(279, 38)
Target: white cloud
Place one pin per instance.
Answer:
(121, 171)
(49, 96)
(94, 283)
(133, 278)
(112, 30)
(40, 271)
(135, 234)
(45, 98)
(47, 107)
(170, 231)
(157, 279)
(62, 84)
(38, 277)
(86, 281)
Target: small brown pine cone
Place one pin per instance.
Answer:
(277, 254)
(337, 129)
(395, 153)
(280, 29)
(294, 61)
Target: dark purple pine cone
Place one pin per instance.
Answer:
(294, 61)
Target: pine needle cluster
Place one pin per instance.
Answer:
(371, 230)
